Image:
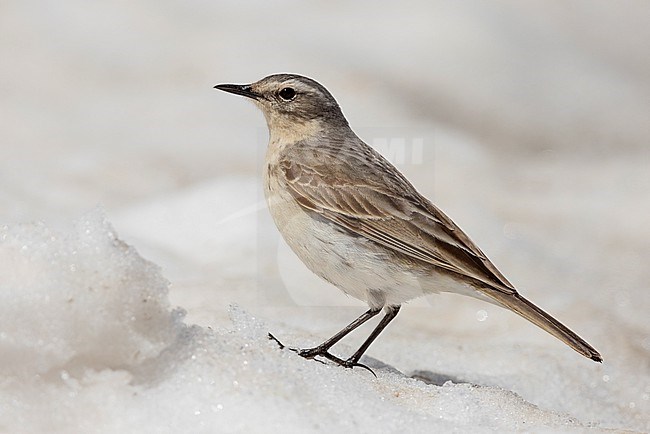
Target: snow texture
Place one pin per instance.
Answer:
(526, 122)
(89, 341)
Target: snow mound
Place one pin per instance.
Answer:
(78, 299)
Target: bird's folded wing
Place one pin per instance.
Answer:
(399, 219)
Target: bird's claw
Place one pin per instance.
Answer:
(349, 363)
(312, 353)
(273, 338)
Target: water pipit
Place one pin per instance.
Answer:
(358, 223)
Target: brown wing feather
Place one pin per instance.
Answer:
(389, 212)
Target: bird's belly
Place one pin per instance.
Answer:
(357, 266)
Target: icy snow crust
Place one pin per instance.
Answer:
(89, 343)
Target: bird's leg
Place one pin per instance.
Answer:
(322, 349)
(391, 313)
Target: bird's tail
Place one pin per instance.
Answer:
(537, 316)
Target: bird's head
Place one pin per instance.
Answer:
(295, 107)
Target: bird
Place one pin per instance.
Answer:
(356, 221)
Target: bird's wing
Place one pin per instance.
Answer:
(360, 193)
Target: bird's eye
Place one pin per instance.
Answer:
(287, 94)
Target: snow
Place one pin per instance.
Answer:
(53, 283)
(89, 341)
(526, 123)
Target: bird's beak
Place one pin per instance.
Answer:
(239, 89)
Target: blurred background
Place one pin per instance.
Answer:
(530, 122)
(111, 101)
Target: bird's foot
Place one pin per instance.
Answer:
(312, 353)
